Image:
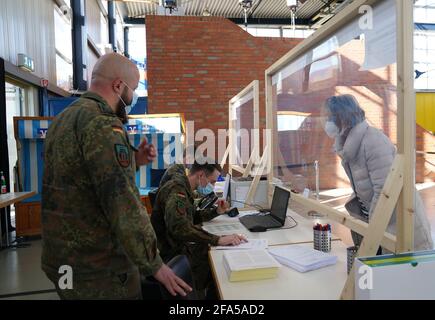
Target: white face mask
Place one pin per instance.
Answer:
(133, 100)
(331, 129)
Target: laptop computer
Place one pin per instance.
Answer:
(277, 215)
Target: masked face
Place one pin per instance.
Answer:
(205, 187)
(331, 129)
(124, 108)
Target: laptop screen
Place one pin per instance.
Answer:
(279, 204)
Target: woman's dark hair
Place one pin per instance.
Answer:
(345, 111)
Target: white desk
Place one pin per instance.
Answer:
(322, 284)
(302, 233)
(8, 199)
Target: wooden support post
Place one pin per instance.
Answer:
(257, 177)
(359, 226)
(224, 158)
(250, 163)
(379, 221)
(406, 123)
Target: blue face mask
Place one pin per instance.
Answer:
(205, 190)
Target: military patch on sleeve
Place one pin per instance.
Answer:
(181, 205)
(122, 155)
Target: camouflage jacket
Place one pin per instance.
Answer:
(92, 216)
(175, 216)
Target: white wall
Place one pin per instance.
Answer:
(27, 26)
(93, 22)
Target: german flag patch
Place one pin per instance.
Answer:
(117, 129)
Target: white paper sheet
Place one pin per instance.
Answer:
(252, 244)
(249, 259)
(302, 258)
(224, 228)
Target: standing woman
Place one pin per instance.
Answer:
(367, 155)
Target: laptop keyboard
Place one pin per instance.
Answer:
(265, 221)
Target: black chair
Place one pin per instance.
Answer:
(153, 290)
(153, 195)
(156, 176)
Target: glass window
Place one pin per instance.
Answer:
(275, 32)
(119, 32)
(268, 32)
(104, 3)
(63, 44)
(263, 32)
(104, 30)
(64, 72)
(424, 11)
(137, 51)
(424, 53)
(297, 33)
(62, 30)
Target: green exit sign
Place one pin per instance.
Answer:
(25, 62)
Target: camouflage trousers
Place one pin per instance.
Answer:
(198, 259)
(125, 286)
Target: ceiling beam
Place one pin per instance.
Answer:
(270, 21)
(251, 21)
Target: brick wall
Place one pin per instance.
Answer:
(195, 65)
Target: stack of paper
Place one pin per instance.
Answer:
(221, 229)
(250, 265)
(257, 244)
(302, 258)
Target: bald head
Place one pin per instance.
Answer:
(114, 66)
(114, 78)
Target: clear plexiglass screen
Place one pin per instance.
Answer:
(358, 60)
(243, 124)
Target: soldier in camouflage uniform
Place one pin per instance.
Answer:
(92, 216)
(176, 219)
